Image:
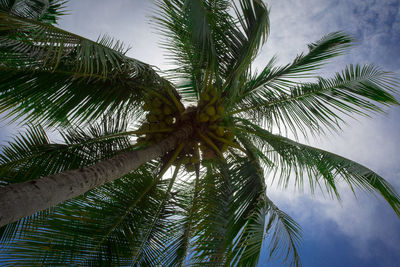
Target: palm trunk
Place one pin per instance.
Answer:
(24, 199)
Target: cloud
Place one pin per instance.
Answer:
(373, 142)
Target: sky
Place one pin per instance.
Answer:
(360, 231)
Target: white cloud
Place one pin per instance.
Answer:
(374, 143)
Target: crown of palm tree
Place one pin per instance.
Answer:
(215, 210)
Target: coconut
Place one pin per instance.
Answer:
(214, 118)
(220, 110)
(229, 135)
(204, 117)
(204, 96)
(210, 111)
(208, 154)
(220, 131)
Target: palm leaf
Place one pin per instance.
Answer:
(285, 240)
(107, 224)
(255, 216)
(197, 40)
(180, 229)
(149, 251)
(47, 11)
(317, 164)
(315, 106)
(49, 75)
(32, 155)
(319, 52)
(212, 219)
(253, 17)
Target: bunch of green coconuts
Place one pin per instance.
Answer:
(211, 134)
(160, 119)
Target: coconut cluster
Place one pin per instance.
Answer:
(212, 135)
(160, 119)
(189, 157)
(211, 113)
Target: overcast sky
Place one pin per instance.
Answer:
(355, 232)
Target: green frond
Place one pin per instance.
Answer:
(108, 223)
(316, 106)
(208, 44)
(253, 17)
(149, 249)
(221, 216)
(12, 231)
(52, 76)
(33, 155)
(197, 39)
(181, 230)
(213, 217)
(286, 238)
(232, 218)
(47, 11)
(256, 217)
(304, 65)
(319, 166)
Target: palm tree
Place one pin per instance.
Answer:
(103, 196)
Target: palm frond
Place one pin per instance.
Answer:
(52, 76)
(196, 40)
(157, 233)
(285, 240)
(213, 217)
(321, 166)
(316, 106)
(255, 216)
(33, 155)
(304, 65)
(253, 17)
(108, 223)
(180, 240)
(47, 11)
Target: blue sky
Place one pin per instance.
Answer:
(355, 232)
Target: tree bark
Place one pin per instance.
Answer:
(27, 198)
